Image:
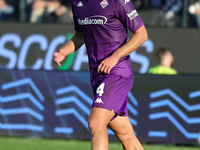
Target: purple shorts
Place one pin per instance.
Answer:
(111, 92)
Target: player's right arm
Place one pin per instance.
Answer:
(75, 43)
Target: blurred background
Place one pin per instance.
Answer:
(155, 13)
(39, 99)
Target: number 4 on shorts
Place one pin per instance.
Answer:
(100, 89)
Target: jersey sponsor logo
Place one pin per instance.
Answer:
(104, 3)
(98, 100)
(126, 1)
(80, 4)
(132, 15)
(97, 19)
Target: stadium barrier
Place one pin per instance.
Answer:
(56, 104)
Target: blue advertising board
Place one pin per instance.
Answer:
(56, 104)
(31, 46)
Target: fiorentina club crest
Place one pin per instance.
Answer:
(104, 3)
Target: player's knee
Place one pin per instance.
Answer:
(128, 139)
(124, 137)
(91, 125)
(95, 126)
(124, 134)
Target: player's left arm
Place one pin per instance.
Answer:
(139, 37)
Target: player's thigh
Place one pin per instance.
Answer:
(100, 117)
(121, 126)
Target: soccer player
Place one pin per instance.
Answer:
(102, 25)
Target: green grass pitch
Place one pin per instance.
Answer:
(14, 143)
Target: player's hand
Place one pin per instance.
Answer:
(58, 57)
(107, 64)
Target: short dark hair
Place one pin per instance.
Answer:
(160, 53)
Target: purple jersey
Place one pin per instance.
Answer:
(104, 25)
